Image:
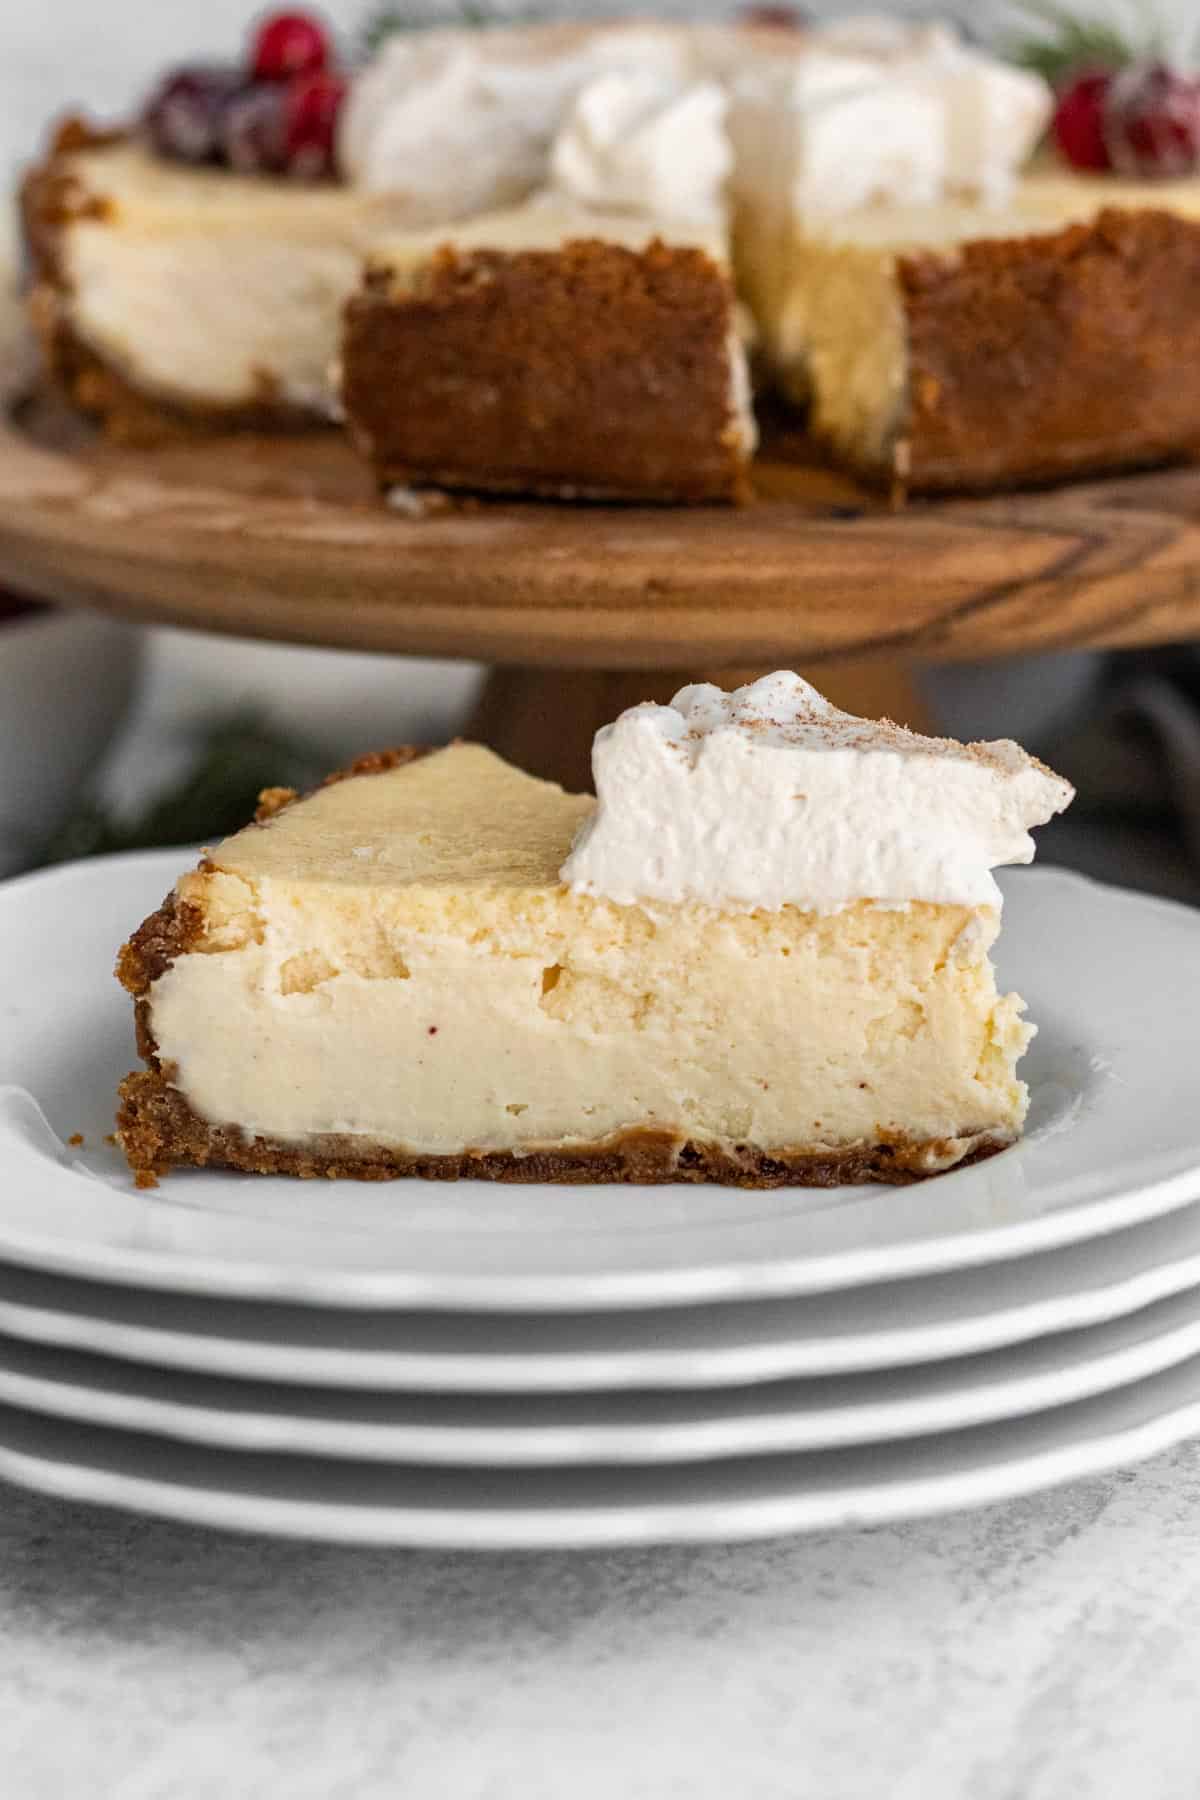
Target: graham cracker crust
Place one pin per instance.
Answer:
(1062, 354)
(593, 371)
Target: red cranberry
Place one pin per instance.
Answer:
(253, 136)
(1152, 121)
(287, 44)
(1079, 121)
(311, 107)
(185, 115)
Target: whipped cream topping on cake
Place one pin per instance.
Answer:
(633, 117)
(874, 110)
(770, 796)
(462, 121)
(638, 140)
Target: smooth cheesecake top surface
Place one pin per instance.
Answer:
(1045, 200)
(543, 224)
(145, 193)
(457, 816)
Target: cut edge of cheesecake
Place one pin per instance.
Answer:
(958, 348)
(159, 1127)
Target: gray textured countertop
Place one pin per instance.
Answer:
(1044, 1650)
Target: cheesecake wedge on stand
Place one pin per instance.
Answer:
(552, 351)
(759, 957)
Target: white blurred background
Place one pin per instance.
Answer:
(104, 52)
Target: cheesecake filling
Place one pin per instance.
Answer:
(556, 1020)
(264, 336)
(210, 289)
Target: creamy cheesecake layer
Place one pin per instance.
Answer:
(205, 288)
(544, 223)
(827, 299)
(832, 295)
(396, 962)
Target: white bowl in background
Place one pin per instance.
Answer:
(341, 702)
(66, 680)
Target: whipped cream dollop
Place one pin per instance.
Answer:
(872, 110)
(643, 141)
(770, 796)
(460, 122)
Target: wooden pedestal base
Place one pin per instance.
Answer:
(544, 720)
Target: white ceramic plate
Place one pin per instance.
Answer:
(1112, 978)
(638, 1426)
(477, 1509)
(924, 1319)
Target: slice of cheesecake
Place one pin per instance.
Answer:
(551, 350)
(954, 345)
(761, 958)
(170, 297)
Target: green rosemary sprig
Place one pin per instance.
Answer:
(1069, 42)
(235, 759)
(420, 15)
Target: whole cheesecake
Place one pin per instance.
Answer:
(951, 317)
(760, 957)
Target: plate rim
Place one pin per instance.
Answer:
(721, 1520)
(551, 1371)
(1170, 1188)
(978, 1401)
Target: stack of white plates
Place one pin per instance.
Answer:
(476, 1365)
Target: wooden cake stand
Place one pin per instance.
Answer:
(583, 609)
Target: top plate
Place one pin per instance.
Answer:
(1112, 978)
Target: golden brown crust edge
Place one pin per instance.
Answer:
(177, 925)
(158, 1131)
(1053, 356)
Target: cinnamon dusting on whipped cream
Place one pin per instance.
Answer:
(770, 796)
